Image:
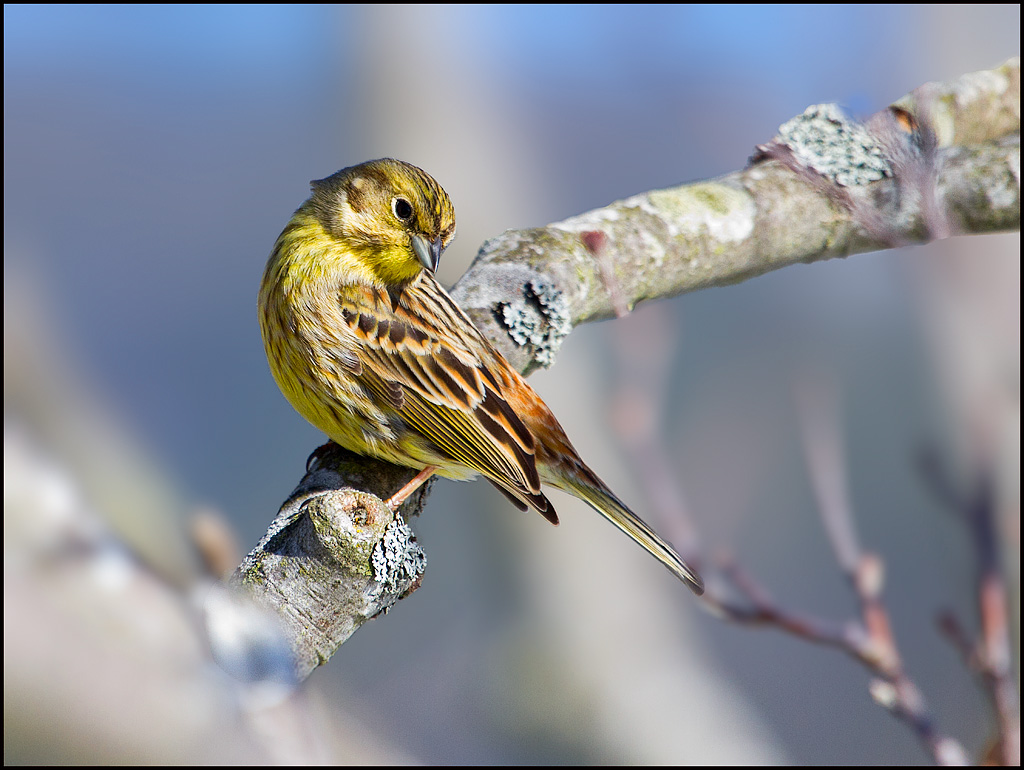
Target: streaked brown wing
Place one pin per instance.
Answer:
(421, 357)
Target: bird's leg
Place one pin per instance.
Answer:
(417, 481)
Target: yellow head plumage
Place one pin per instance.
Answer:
(384, 221)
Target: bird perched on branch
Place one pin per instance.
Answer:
(367, 346)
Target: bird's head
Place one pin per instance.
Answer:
(389, 218)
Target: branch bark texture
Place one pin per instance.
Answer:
(335, 556)
(943, 160)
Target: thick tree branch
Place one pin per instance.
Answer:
(335, 556)
(943, 160)
(826, 187)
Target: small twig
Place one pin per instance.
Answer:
(990, 655)
(636, 403)
(894, 690)
(596, 243)
(762, 610)
(868, 639)
(823, 452)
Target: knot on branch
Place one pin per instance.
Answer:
(335, 556)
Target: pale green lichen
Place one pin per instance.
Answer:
(397, 560)
(975, 86)
(542, 319)
(824, 139)
(941, 117)
(724, 213)
(1013, 161)
(712, 196)
(336, 522)
(253, 573)
(1004, 192)
(355, 555)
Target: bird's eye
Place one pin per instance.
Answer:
(402, 208)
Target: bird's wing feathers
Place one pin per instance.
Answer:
(434, 369)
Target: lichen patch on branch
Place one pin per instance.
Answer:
(718, 210)
(540, 319)
(823, 138)
(397, 561)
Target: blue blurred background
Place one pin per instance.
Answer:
(152, 155)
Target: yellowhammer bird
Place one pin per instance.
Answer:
(367, 346)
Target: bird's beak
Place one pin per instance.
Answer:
(429, 252)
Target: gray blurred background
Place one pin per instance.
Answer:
(153, 154)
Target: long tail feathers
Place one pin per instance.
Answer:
(613, 509)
